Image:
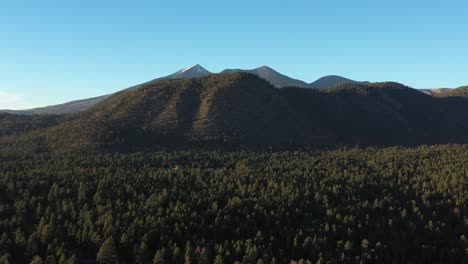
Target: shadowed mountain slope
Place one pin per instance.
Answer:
(233, 108)
(240, 110)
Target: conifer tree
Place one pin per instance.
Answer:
(107, 253)
(36, 260)
(218, 260)
(159, 257)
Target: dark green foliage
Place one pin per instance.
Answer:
(17, 124)
(393, 205)
(159, 257)
(72, 260)
(36, 260)
(107, 254)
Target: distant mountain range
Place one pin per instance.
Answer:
(243, 111)
(275, 78)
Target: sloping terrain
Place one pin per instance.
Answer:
(241, 110)
(434, 91)
(84, 104)
(275, 78)
(331, 80)
(458, 92)
(233, 108)
(65, 108)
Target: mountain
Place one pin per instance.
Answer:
(84, 104)
(227, 108)
(70, 107)
(275, 78)
(280, 81)
(190, 72)
(458, 92)
(434, 91)
(241, 110)
(331, 80)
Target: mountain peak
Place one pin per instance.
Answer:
(193, 71)
(265, 67)
(196, 68)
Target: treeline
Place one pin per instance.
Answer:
(393, 205)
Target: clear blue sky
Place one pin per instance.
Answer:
(56, 51)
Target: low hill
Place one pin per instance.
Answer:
(458, 92)
(331, 80)
(434, 91)
(11, 124)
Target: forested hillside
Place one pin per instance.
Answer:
(242, 111)
(19, 124)
(459, 92)
(390, 205)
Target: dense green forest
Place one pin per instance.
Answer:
(391, 205)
